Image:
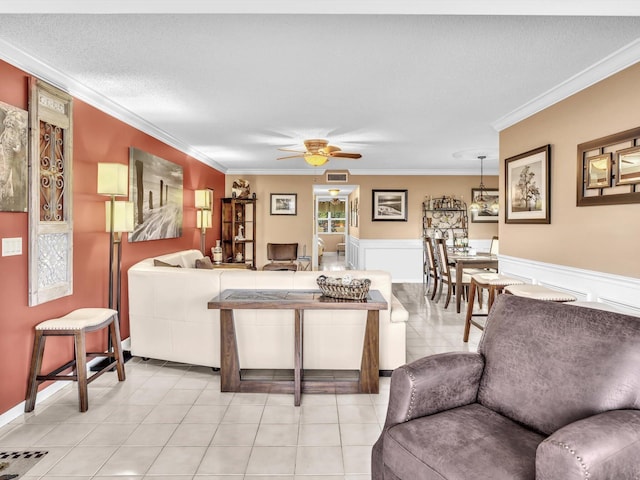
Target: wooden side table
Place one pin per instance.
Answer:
(298, 300)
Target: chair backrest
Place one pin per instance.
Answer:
(443, 258)
(549, 364)
(494, 246)
(431, 260)
(282, 252)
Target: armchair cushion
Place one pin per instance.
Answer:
(465, 439)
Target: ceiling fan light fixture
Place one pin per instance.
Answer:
(315, 159)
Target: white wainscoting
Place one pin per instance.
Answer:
(402, 258)
(620, 293)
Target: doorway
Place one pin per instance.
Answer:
(331, 227)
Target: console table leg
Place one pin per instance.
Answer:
(297, 363)
(229, 361)
(369, 368)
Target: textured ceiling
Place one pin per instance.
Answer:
(406, 91)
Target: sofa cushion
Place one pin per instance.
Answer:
(160, 263)
(204, 262)
(461, 440)
(558, 344)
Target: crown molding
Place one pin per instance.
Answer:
(352, 7)
(353, 171)
(61, 80)
(614, 63)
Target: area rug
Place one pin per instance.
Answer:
(15, 464)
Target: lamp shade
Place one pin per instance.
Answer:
(112, 179)
(203, 199)
(204, 220)
(122, 218)
(315, 159)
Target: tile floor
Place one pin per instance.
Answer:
(170, 421)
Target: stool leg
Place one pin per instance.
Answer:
(81, 369)
(467, 322)
(34, 371)
(117, 347)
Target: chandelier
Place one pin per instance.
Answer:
(481, 202)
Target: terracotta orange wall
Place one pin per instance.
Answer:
(97, 137)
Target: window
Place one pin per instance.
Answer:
(332, 215)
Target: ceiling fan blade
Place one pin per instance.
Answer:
(290, 150)
(331, 148)
(290, 156)
(345, 155)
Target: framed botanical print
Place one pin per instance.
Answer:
(527, 178)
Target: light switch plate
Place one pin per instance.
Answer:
(11, 246)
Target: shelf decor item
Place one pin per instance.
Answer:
(346, 288)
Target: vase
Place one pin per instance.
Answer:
(217, 253)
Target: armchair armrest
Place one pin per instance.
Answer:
(433, 384)
(604, 446)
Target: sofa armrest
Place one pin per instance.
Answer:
(433, 384)
(604, 446)
(398, 312)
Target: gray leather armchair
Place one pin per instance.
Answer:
(553, 393)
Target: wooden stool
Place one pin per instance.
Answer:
(495, 283)
(76, 324)
(539, 292)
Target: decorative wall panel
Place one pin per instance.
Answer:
(50, 193)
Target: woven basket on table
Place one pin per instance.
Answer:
(345, 288)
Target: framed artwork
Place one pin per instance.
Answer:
(389, 206)
(155, 188)
(527, 180)
(14, 183)
(628, 166)
(599, 171)
(284, 204)
(486, 214)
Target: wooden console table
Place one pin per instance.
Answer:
(299, 301)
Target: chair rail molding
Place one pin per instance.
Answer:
(616, 291)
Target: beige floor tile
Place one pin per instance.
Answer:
(205, 414)
(281, 414)
(243, 414)
(130, 460)
(317, 434)
(167, 414)
(235, 434)
(277, 435)
(319, 461)
(82, 461)
(359, 433)
(151, 434)
(177, 461)
(272, 460)
(319, 414)
(357, 459)
(67, 434)
(357, 414)
(193, 434)
(109, 434)
(224, 461)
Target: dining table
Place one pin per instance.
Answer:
(462, 260)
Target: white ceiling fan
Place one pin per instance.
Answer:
(318, 152)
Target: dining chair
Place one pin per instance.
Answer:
(448, 273)
(433, 275)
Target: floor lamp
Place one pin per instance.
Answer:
(112, 182)
(204, 220)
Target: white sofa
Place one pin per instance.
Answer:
(169, 318)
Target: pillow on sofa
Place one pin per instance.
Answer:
(204, 262)
(160, 263)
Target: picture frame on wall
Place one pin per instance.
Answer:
(527, 186)
(486, 214)
(599, 171)
(389, 205)
(628, 166)
(14, 182)
(284, 204)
